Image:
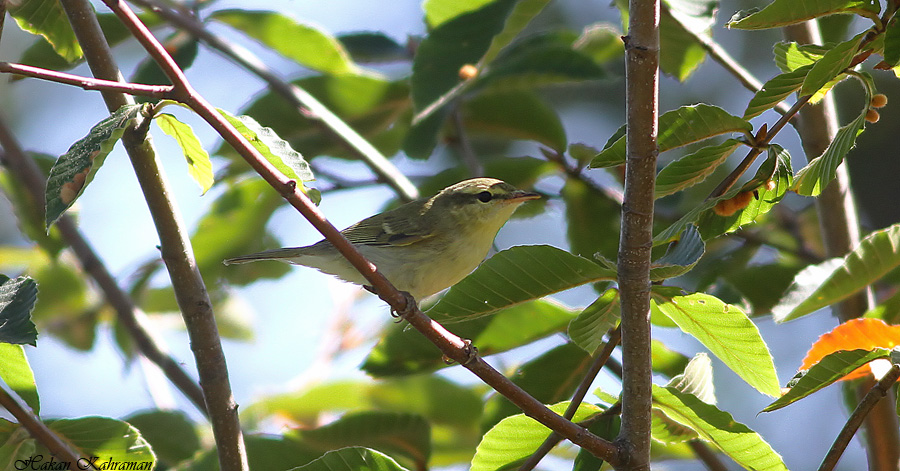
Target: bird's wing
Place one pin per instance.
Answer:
(387, 229)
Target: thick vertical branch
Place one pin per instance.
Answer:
(642, 109)
(840, 231)
(190, 291)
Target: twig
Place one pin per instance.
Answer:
(706, 455)
(636, 240)
(26, 170)
(576, 172)
(469, 159)
(40, 432)
(190, 291)
(451, 345)
(307, 105)
(615, 335)
(153, 91)
(868, 403)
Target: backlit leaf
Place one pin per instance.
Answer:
(587, 330)
(693, 168)
(16, 373)
(352, 459)
(775, 91)
(109, 439)
(681, 258)
(863, 334)
(787, 12)
(831, 65)
(48, 19)
(199, 166)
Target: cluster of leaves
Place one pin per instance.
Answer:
(488, 83)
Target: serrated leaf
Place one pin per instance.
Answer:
(892, 43)
(405, 351)
(678, 128)
(48, 19)
(170, 432)
(550, 378)
(828, 370)
(108, 439)
(305, 44)
(832, 64)
(587, 330)
(515, 438)
(514, 276)
(75, 169)
(738, 441)
(276, 150)
(860, 333)
(790, 56)
(681, 258)
(775, 91)
(16, 373)
(199, 166)
(812, 179)
(352, 459)
(397, 434)
(727, 332)
(827, 283)
(17, 298)
(693, 168)
(514, 115)
(787, 12)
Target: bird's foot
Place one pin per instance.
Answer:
(471, 352)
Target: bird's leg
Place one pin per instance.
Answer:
(397, 314)
(470, 350)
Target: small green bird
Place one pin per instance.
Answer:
(423, 246)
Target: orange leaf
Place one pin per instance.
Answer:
(854, 334)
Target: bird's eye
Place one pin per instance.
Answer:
(485, 196)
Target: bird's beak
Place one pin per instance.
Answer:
(520, 196)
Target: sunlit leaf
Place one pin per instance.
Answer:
(171, 433)
(892, 43)
(693, 168)
(108, 439)
(437, 12)
(199, 166)
(791, 56)
(76, 168)
(738, 441)
(587, 330)
(514, 276)
(602, 42)
(727, 332)
(862, 334)
(821, 285)
(305, 44)
(787, 12)
(775, 91)
(48, 19)
(829, 369)
(17, 298)
(352, 459)
(16, 373)
(830, 65)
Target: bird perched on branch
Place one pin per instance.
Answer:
(423, 246)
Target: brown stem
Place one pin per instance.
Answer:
(26, 170)
(40, 432)
(865, 408)
(839, 226)
(190, 291)
(636, 240)
(87, 83)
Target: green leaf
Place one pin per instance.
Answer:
(602, 42)
(373, 47)
(76, 168)
(352, 459)
(812, 179)
(592, 217)
(696, 379)
(821, 285)
(397, 434)
(277, 151)
(892, 43)
(48, 19)
(679, 128)
(693, 168)
(680, 22)
(438, 12)
(515, 115)
(28, 210)
(108, 439)
(791, 56)
(305, 44)
(549, 378)
(832, 64)
(741, 444)
(587, 330)
(828, 370)
(170, 433)
(405, 351)
(199, 166)
(681, 258)
(523, 11)
(17, 298)
(665, 361)
(263, 452)
(15, 444)
(515, 438)
(775, 91)
(181, 46)
(787, 12)
(16, 373)
(727, 332)
(514, 276)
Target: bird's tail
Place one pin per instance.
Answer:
(287, 255)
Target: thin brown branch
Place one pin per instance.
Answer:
(601, 356)
(190, 291)
(87, 83)
(709, 458)
(856, 419)
(27, 171)
(307, 105)
(40, 432)
(451, 345)
(469, 159)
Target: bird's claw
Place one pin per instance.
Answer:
(470, 350)
(407, 309)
